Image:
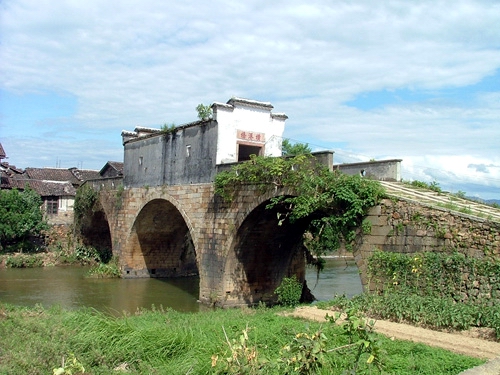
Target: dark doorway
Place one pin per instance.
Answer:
(244, 151)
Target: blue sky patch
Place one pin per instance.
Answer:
(27, 110)
(455, 95)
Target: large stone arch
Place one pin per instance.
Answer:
(160, 242)
(261, 253)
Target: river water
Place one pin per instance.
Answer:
(69, 288)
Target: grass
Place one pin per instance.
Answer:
(154, 341)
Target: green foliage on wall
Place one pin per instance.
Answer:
(168, 129)
(21, 216)
(204, 111)
(332, 203)
(85, 199)
(442, 275)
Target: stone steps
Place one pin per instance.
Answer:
(443, 200)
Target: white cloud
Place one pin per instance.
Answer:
(152, 62)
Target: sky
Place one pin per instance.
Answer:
(397, 79)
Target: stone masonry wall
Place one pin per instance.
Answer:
(213, 226)
(408, 227)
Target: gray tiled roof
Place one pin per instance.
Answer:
(112, 169)
(45, 188)
(52, 174)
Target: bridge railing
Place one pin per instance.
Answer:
(382, 170)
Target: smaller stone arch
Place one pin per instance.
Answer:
(160, 243)
(94, 230)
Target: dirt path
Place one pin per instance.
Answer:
(462, 343)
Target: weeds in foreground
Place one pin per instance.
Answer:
(157, 341)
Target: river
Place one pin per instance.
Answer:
(69, 288)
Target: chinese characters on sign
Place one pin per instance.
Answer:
(251, 136)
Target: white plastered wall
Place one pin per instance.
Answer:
(251, 117)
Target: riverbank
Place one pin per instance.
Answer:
(34, 341)
(474, 342)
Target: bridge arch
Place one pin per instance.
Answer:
(160, 242)
(95, 231)
(261, 253)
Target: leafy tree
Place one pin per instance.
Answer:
(289, 149)
(204, 111)
(21, 216)
(332, 204)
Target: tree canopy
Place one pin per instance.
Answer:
(289, 149)
(21, 216)
(332, 203)
(204, 111)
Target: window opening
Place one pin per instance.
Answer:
(52, 205)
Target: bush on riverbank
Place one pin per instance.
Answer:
(106, 270)
(33, 341)
(21, 219)
(58, 246)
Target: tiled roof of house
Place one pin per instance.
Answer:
(85, 174)
(73, 175)
(2, 152)
(7, 173)
(45, 188)
(11, 169)
(46, 181)
(52, 174)
(116, 165)
(112, 169)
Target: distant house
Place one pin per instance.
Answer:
(56, 186)
(7, 171)
(111, 169)
(58, 197)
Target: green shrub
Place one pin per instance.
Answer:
(20, 217)
(24, 261)
(289, 291)
(106, 270)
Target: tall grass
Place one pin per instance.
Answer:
(154, 341)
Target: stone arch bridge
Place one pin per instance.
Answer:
(238, 249)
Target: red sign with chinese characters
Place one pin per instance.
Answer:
(251, 136)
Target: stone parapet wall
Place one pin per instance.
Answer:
(383, 170)
(407, 227)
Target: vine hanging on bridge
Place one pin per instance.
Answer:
(332, 203)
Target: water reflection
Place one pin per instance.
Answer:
(340, 276)
(69, 288)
